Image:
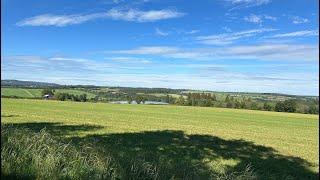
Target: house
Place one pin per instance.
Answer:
(47, 96)
(134, 102)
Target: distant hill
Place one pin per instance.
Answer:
(17, 83)
(34, 84)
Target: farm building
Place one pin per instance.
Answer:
(47, 96)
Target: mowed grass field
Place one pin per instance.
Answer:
(180, 139)
(21, 92)
(36, 93)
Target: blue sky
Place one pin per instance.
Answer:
(221, 45)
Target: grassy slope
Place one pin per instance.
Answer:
(29, 93)
(20, 92)
(289, 134)
(162, 95)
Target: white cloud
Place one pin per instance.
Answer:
(227, 29)
(263, 52)
(58, 20)
(127, 15)
(62, 64)
(270, 17)
(258, 19)
(229, 38)
(297, 34)
(65, 70)
(253, 18)
(143, 16)
(275, 52)
(192, 31)
(68, 59)
(117, 1)
(299, 20)
(161, 33)
(165, 51)
(253, 2)
(148, 50)
(238, 4)
(28, 59)
(295, 83)
(108, 2)
(128, 60)
(231, 16)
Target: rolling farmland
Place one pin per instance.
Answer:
(21, 92)
(207, 140)
(36, 93)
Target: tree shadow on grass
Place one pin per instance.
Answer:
(10, 115)
(56, 129)
(186, 156)
(16, 177)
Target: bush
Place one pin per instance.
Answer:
(267, 106)
(48, 91)
(41, 156)
(286, 106)
(60, 96)
(246, 174)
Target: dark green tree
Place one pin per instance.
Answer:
(237, 104)
(267, 106)
(214, 98)
(139, 99)
(143, 99)
(227, 99)
(279, 107)
(180, 100)
(313, 109)
(129, 99)
(48, 91)
(254, 106)
(83, 97)
(290, 105)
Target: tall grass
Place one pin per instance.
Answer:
(40, 155)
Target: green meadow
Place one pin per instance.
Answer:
(21, 92)
(36, 93)
(156, 142)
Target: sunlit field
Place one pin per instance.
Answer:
(157, 142)
(36, 93)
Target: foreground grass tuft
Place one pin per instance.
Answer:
(40, 155)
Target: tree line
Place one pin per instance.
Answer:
(199, 99)
(61, 96)
(210, 100)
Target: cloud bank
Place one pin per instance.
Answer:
(133, 15)
(263, 52)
